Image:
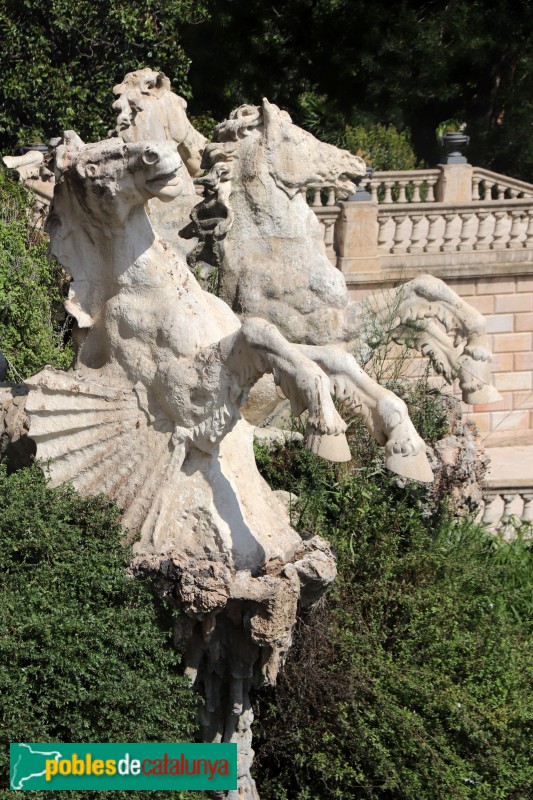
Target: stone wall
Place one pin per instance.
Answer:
(507, 303)
(473, 229)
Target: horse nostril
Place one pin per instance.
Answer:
(150, 156)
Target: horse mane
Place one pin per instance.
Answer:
(71, 243)
(240, 123)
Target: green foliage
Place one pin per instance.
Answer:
(63, 59)
(32, 317)
(410, 681)
(383, 147)
(205, 123)
(82, 658)
(407, 64)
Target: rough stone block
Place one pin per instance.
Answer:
(502, 362)
(523, 322)
(523, 361)
(514, 302)
(483, 302)
(512, 342)
(510, 420)
(496, 286)
(500, 323)
(513, 381)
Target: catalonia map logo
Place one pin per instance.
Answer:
(125, 765)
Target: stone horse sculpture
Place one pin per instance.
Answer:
(255, 227)
(149, 413)
(148, 110)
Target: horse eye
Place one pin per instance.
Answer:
(150, 157)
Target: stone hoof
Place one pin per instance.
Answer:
(487, 394)
(330, 447)
(415, 467)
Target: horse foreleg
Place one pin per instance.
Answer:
(423, 302)
(384, 414)
(258, 348)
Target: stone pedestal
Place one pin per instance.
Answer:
(455, 183)
(356, 231)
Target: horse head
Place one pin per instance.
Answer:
(147, 109)
(297, 159)
(98, 186)
(110, 178)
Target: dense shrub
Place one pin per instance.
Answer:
(383, 147)
(32, 318)
(63, 60)
(84, 656)
(411, 680)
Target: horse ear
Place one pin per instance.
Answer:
(67, 149)
(163, 82)
(270, 112)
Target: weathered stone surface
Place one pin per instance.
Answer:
(15, 444)
(148, 110)
(459, 464)
(256, 228)
(150, 414)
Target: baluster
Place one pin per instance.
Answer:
(388, 192)
(490, 513)
(383, 237)
(448, 245)
(402, 197)
(517, 227)
(433, 236)
(527, 510)
(431, 192)
(499, 230)
(484, 231)
(416, 191)
(331, 196)
(513, 193)
(317, 200)
(417, 237)
(488, 189)
(374, 191)
(401, 240)
(475, 188)
(528, 241)
(500, 191)
(329, 226)
(508, 498)
(467, 235)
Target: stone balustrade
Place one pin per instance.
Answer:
(506, 505)
(469, 226)
(410, 186)
(487, 185)
(438, 228)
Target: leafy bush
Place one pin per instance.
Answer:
(382, 147)
(63, 60)
(31, 309)
(411, 679)
(82, 658)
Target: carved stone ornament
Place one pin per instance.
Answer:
(150, 412)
